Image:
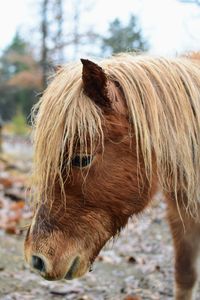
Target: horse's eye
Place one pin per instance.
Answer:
(81, 161)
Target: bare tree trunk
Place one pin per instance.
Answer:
(53, 42)
(76, 27)
(44, 51)
(58, 39)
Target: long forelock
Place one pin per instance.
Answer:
(64, 117)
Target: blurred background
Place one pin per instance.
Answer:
(35, 37)
(38, 35)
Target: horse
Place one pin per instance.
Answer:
(108, 135)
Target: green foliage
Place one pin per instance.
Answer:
(17, 45)
(19, 125)
(8, 105)
(123, 38)
(10, 60)
(14, 95)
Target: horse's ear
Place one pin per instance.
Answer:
(95, 83)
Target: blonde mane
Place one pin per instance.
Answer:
(163, 99)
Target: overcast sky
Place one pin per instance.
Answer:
(169, 26)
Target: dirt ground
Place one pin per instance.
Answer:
(138, 263)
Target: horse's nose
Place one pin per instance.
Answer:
(38, 264)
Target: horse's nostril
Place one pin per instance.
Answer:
(38, 263)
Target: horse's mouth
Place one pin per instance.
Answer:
(73, 269)
(91, 267)
(71, 274)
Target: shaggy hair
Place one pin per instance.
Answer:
(163, 100)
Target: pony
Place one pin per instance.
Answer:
(108, 135)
